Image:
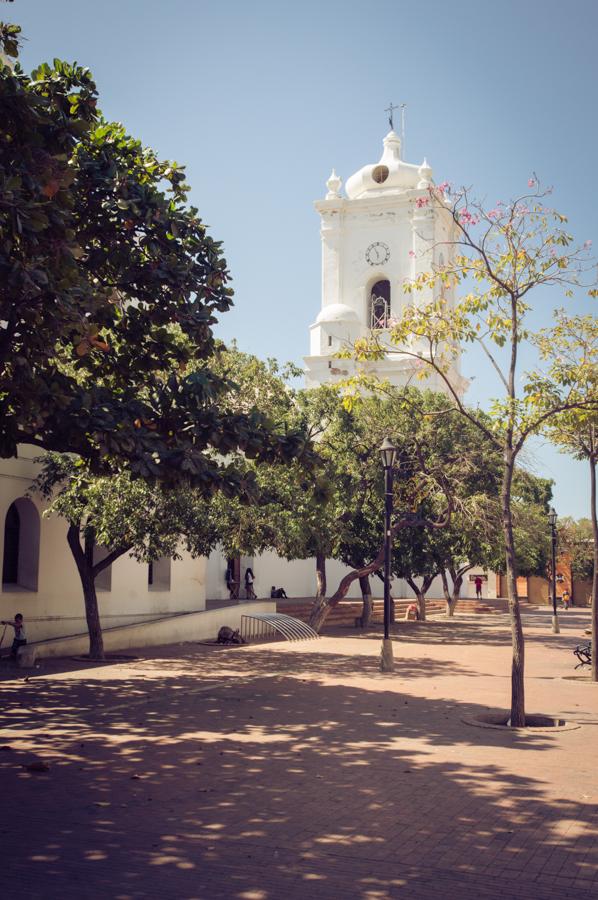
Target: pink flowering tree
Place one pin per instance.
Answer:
(496, 257)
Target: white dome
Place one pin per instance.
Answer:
(337, 312)
(390, 175)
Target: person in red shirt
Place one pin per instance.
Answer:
(478, 587)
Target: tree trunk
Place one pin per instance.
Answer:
(457, 579)
(518, 662)
(88, 572)
(449, 598)
(322, 605)
(84, 562)
(366, 596)
(420, 593)
(594, 518)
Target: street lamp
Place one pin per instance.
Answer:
(552, 517)
(389, 454)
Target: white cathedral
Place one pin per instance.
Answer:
(374, 238)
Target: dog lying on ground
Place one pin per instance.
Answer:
(227, 636)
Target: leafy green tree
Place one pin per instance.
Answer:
(109, 288)
(576, 539)
(121, 516)
(571, 349)
(297, 512)
(502, 254)
(430, 488)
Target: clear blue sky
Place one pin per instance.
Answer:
(260, 99)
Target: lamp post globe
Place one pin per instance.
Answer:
(388, 451)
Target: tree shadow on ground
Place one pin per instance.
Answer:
(226, 775)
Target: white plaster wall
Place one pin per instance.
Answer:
(297, 577)
(57, 608)
(183, 628)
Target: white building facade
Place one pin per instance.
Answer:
(40, 578)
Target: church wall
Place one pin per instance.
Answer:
(56, 608)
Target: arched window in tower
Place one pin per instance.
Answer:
(380, 304)
(20, 561)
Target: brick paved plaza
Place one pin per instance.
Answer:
(299, 771)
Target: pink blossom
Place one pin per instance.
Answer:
(467, 218)
(493, 213)
(411, 253)
(444, 187)
(531, 182)
(422, 201)
(587, 245)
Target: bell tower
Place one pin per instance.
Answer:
(382, 232)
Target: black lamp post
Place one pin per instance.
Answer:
(552, 517)
(389, 454)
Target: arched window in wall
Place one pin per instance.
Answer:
(380, 304)
(20, 563)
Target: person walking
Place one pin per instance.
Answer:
(249, 579)
(478, 587)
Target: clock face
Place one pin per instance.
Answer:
(377, 254)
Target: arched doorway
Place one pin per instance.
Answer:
(20, 562)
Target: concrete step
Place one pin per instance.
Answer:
(345, 612)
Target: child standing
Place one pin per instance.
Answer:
(20, 638)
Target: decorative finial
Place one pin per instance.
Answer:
(425, 175)
(334, 185)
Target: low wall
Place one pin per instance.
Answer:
(582, 591)
(540, 591)
(196, 626)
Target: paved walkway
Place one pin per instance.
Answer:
(300, 771)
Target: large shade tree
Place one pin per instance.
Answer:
(109, 287)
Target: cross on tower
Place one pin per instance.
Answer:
(390, 110)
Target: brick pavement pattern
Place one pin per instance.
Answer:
(287, 771)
